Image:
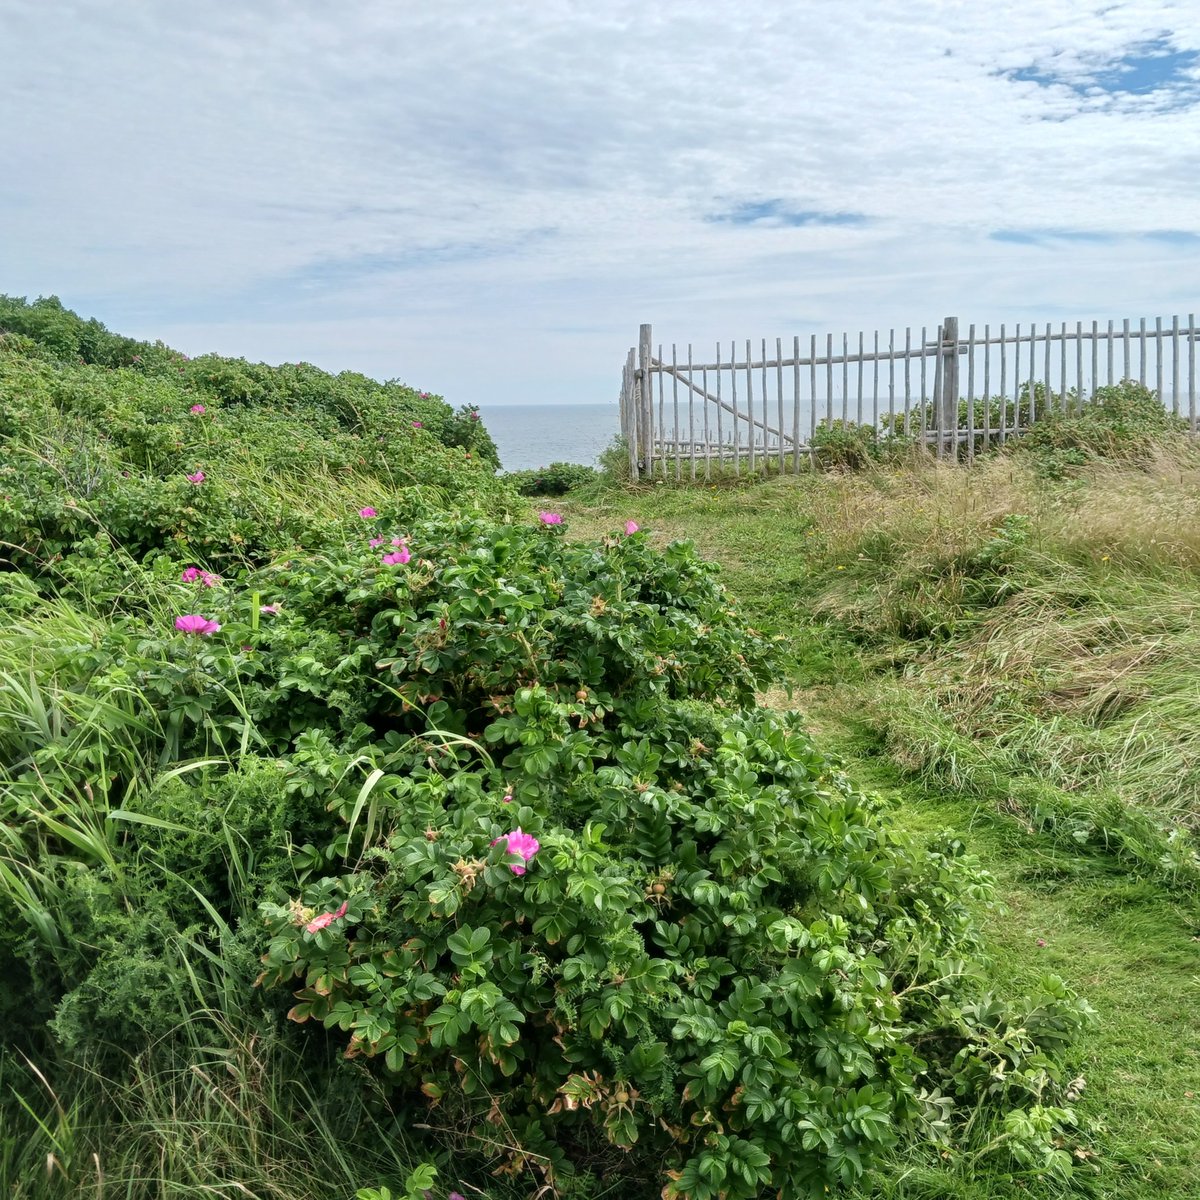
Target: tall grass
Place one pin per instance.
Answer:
(224, 1111)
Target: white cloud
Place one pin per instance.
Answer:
(487, 199)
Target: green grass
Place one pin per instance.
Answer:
(1012, 659)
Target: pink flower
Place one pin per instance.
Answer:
(195, 623)
(474, 416)
(196, 575)
(269, 609)
(375, 542)
(196, 408)
(197, 478)
(399, 542)
(631, 527)
(548, 518)
(366, 513)
(325, 919)
(524, 844)
(1041, 942)
(397, 557)
(419, 424)
(507, 798)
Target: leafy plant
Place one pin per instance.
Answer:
(555, 480)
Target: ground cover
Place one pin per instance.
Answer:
(357, 821)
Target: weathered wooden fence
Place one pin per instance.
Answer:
(682, 411)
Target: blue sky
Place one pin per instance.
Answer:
(485, 200)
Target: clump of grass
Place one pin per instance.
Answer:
(225, 1112)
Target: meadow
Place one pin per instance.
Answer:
(368, 828)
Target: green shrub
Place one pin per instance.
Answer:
(555, 480)
(843, 445)
(1122, 422)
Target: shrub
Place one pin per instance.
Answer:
(1122, 422)
(555, 480)
(844, 445)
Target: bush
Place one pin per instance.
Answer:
(1122, 422)
(555, 480)
(843, 445)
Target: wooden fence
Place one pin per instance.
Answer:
(681, 412)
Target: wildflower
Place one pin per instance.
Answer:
(419, 424)
(524, 844)
(397, 557)
(197, 409)
(549, 518)
(474, 416)
(197, 478)
(191, 574)
(507, 798)
(631, 527)
(374, 542)
(269, 609)
(195, 623)
(399, 541)
(366, 513)
(1041, 942)
(325, 919)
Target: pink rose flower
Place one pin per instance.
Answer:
(549, 518)
(195, 623)
(366, 513)
(397, 557)
(524, 844)
(197, 478)
(325, 919)
(419, 424)
(269, 609)
(197, 409)
(190, 575)
(631, 527)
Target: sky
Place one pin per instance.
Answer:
(485, 200)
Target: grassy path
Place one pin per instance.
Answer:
(1127, 945)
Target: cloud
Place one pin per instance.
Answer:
(488, 199)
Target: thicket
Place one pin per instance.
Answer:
(500, 808)
(555, 480)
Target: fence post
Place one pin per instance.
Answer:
(629, 394)
(646, 415)
(948, 416)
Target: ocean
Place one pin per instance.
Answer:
(535, 435)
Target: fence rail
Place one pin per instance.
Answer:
(749, 409)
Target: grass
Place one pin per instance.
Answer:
(1003, 656)
(1013, 659)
